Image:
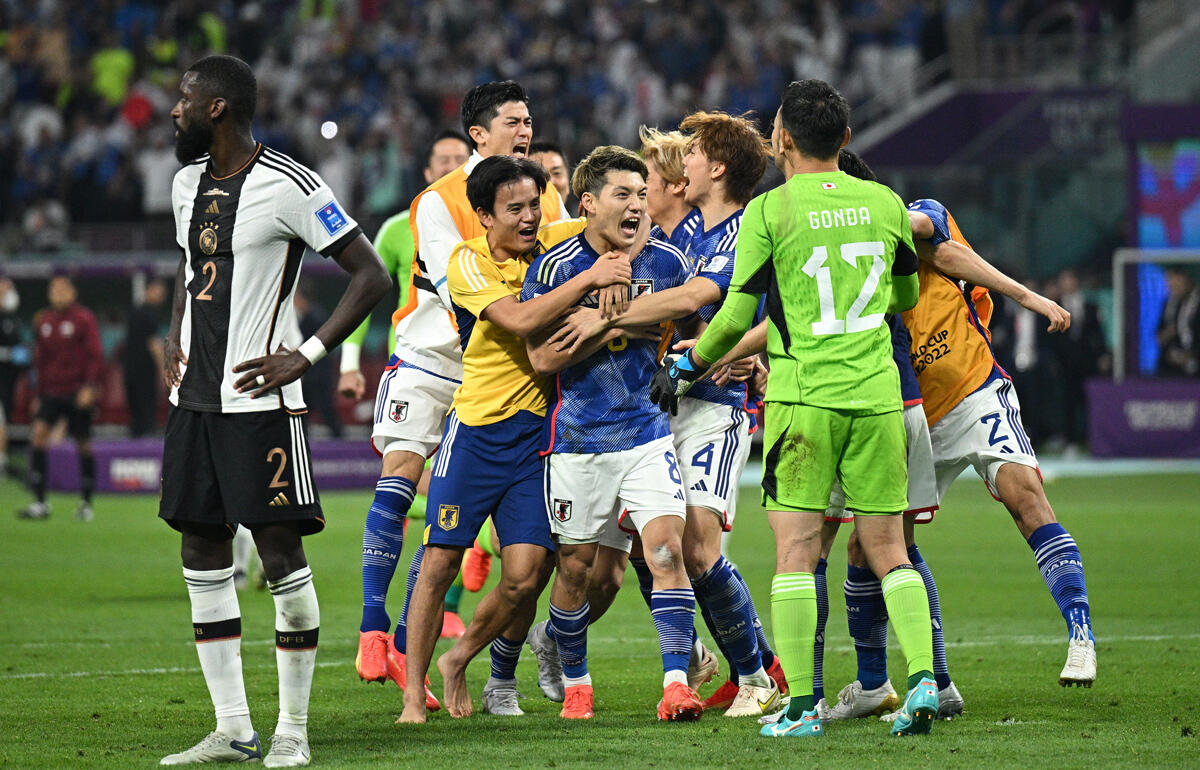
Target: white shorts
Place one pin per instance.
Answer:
(712, 442)
(410, 410)
(589, 495)
(983, 431)
(923, 496)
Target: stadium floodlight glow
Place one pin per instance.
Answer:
(1122, 258)
(329, 129)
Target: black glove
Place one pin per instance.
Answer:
(673, 379)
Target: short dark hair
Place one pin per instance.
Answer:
(496, 171)
(592, 172)
(816, 116)
(231, 79)
(853, 164)
(544, 145)
(449, 133)
(482, 103)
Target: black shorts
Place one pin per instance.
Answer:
(221, 470)
(51, 409)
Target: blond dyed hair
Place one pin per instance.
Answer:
(665, 149)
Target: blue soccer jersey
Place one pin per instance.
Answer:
(602, 404)
(910, 391)
(681, 236)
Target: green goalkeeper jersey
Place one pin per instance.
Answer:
(394, 242)
(822, 248)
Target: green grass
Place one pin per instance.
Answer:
(97, 670)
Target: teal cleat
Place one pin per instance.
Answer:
(919, 710)
(807, 726)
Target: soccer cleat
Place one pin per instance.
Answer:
(950, 702)
(854, 702)
(287, 751)
(920, 708)
(476, 568)
(84, 512)
(217, 747)
(702, 672)
(680, 703)
(452, 626)
(545, 650)
(1080, 669)
(722, 697)
(397, 673)
(35, 510)
(807, 726)
(578, 702)
(501, 699)
(754, 701)
(371, 661)
(776, 673)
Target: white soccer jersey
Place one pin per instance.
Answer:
(244, 236)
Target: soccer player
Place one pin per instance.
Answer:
(68, 361)
(382, 532)
(488, 465)
(609, 452)
(417, 387)
(832, 254)
(235, 450)
(552, 158)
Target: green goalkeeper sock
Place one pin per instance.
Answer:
(484, 540)
(794, 617)
(908, 609)
(454, 595)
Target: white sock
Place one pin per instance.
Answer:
(757, 679)
(297, 621)
(570, 682)
(217, 623)
(674, 675)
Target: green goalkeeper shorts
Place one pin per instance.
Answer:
(807, 447)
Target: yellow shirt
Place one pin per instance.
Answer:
(555, 233)
(498, 380)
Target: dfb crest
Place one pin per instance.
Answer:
(398, 411)
(562, 509)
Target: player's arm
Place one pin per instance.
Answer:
(173, 355)
(437, 236)
(905, 285)
(93, 362)
(351, 383)
(537, 313)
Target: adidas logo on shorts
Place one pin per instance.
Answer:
(280, 499)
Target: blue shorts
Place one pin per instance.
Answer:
(488, 470)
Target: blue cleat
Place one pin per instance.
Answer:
(919, 710)
(807, 726)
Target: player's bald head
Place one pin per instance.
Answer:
(816, 116)
(231, 79)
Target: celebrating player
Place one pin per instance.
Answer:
(235, 450)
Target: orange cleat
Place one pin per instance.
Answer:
(452, 626)
(371, 661)
(476, 568)
(776, 673)
(722, 697)
(397, 673)
(578, 703)
(680, 703)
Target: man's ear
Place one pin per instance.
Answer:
(218, 108)
(478, 134)
(485, 218)
(718, 171)
(846, 138)
(587, 203)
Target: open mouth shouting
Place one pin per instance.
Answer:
(520, 150)
(528, 233)
(629, 225)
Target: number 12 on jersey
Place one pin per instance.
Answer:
(854, 321)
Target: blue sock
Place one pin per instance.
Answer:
(570, 631)
(940, 671)
(383, 539)
(1061, 566)
(728, 602)
(505, 654)
(819, 639)
(645, 579)
(414, 569)
(764, 647)
(674, 612)
(864, 612)
(707, 617)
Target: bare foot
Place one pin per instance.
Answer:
(455, 697)
(414, 712)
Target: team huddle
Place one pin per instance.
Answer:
(584, 392)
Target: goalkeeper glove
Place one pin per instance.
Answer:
(673, 379)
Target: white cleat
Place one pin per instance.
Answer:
(1080, 669)
(752, 701)
(501, 699)
(855, 703)
(545, 650)
(35, 510)
(824, 712)
(84, 512)
(287, 751)
(702, 671)
(217, 747)
(950, 702)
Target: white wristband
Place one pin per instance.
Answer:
(351, 354)
(313, 349)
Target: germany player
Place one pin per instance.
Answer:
(488, 465)
(832, 255)
(417, 387)
(235, 450)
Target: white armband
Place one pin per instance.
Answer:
(313, 349)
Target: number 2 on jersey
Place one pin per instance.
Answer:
(854, 320)
(209, 269)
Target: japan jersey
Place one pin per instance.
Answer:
(243, 237)
(910, 391)
(602, 404)
(683, 232)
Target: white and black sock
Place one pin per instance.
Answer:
(297, 621)
(217, 623)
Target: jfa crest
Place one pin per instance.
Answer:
(398, 411)
(640, 286)
(562, 509)
(447, 517)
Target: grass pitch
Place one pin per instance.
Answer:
(97, 668)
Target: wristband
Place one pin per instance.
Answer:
(313, 349)
(350, 357)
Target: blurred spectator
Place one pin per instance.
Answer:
(550, 156)
(142, 359)
(1082, 353)
(318, 381)
(1023, 348)
(156, 164)
(1179, 332)
(44, 225)
(14, 356)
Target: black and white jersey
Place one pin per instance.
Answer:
(243, 236)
